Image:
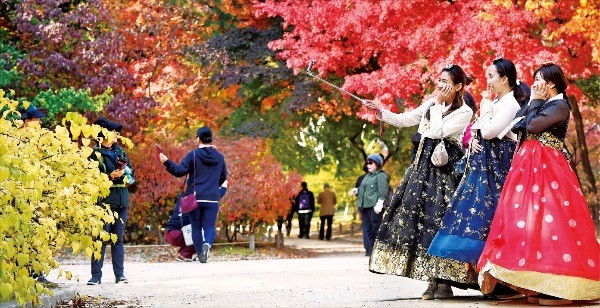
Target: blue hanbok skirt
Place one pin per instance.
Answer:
(467, 220)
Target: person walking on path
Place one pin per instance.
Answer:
(288, 218)
(113, 161)
(542, 238)
(328, 201)
(372, 192)
(174, 235)
(206, 171)
(466, 224)
(305, 203)
(423, 195)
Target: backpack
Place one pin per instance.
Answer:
(303, 201)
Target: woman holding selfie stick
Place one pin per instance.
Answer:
(206, 171)
(419, 203)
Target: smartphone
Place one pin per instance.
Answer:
(158, 151)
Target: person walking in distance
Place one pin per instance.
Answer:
(288, 218)
(328, 200)
(305, 202)
(206, 170)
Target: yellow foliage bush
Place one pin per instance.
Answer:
(49, 190)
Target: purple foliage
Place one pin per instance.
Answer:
(130, 111)
(68, 44)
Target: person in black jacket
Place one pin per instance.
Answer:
(113, 162)
(305, 203)
(206, 171)
(174, 235)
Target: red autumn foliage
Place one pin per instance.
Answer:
(387, 50)
(156, 189)
(258, 188)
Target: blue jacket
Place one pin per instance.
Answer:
(206, 172)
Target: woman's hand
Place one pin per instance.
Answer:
(371, 105)
(117, 173)
(540, 91)
(163, 157)
(475, 147)
(487, 94)
(444, 94)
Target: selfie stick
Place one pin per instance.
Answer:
(309, 73)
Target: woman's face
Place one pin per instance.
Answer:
(495, 83)
(371, 166)
(538, 79)
(444, 81)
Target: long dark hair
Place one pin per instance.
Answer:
(505, 67)
(458, 76)
(553, 73)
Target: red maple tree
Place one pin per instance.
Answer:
(258, 190)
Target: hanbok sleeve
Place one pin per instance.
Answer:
(499, 121)
(539, 120)
(452, 124)
(405, 119)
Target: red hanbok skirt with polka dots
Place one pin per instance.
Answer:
(542, 237)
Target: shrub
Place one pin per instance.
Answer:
(48, 200)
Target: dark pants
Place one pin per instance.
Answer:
(370, 226)
(304, 222)
(203, 220)
(288, 222)
(175, 238)
(329, 219)
(117, 252)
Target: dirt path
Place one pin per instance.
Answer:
(336, 277)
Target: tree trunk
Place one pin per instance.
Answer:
(251, 243)
(590, 186)
(279, 239)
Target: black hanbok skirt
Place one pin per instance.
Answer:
(414, 217)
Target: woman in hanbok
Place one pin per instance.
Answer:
(421, 199)
(542, 241)
(467, 221)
